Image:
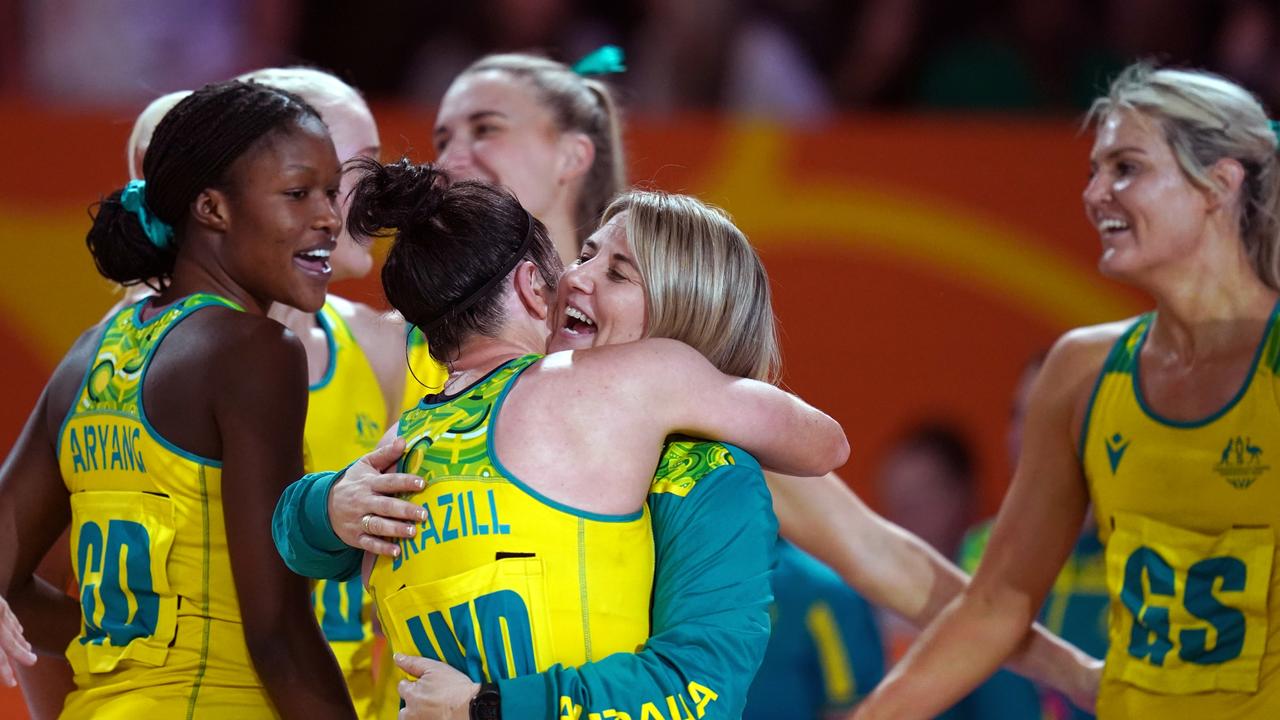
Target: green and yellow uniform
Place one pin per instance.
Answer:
(500, 581)
(345, 416)
(825, 652)
(715, 535)
(1189, 513)
(161, 633)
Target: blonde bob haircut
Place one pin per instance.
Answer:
(1206, 118)
(704, 284)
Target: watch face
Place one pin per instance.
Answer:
(487, 704)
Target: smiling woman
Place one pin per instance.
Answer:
(169, 429)
(666, 265)
(535, 126)
(1156, 421)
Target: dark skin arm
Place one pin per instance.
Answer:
(259, 404)
(34, 514)
(35, 510)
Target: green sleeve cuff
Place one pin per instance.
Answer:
(314, 523)
(527, 696)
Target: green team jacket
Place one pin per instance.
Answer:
(714, 533)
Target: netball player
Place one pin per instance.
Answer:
(1165, 422)
(164, 435)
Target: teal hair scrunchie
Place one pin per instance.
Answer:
(1275, 130)
(604, 60)
(134, 199)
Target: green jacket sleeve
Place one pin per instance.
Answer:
(303, 536)
(714, 538)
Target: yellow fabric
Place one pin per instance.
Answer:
(500, 581)
(1188, 512)
(833, 656)
(161, 634)
(345, 416)
(424, 376)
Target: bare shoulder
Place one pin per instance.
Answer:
(382, 336)
(64, 384)
(235, 346)
(647, 355)
(1080, 353)
(376, 332)
(1072, 368)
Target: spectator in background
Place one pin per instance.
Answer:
(118, 52)
(1005, 55)
(1246, 47)
(825, 651)
(927, 485)
(496, 26)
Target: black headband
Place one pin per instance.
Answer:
(474, 296)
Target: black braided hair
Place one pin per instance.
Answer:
(192, 149)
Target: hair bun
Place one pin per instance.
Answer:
(397, 196)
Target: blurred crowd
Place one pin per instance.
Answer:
(791, 60)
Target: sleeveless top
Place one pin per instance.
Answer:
(1189, 513)
(160, 612)
(499, 580)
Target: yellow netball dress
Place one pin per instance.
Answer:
(161, 634)
(345, 417)
(500, 581)
(1189, 513)
(425, 375)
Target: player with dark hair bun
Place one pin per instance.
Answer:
(168, 431)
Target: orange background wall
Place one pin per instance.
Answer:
(916, 262)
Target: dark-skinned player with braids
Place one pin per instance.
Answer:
(168, 431)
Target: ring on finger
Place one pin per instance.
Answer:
(364, 523)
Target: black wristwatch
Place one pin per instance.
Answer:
(487, 704)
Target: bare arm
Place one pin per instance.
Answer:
(1033, 535)
(682, 392)
(47, 683)
(34, 512)
(260, 413)
(897, 570)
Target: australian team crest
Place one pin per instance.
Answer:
(1242, 462)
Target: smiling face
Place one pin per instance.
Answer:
(1148, 213)
(601, 298)
(282, 216)
(492, 128)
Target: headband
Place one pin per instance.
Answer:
(474, 296)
